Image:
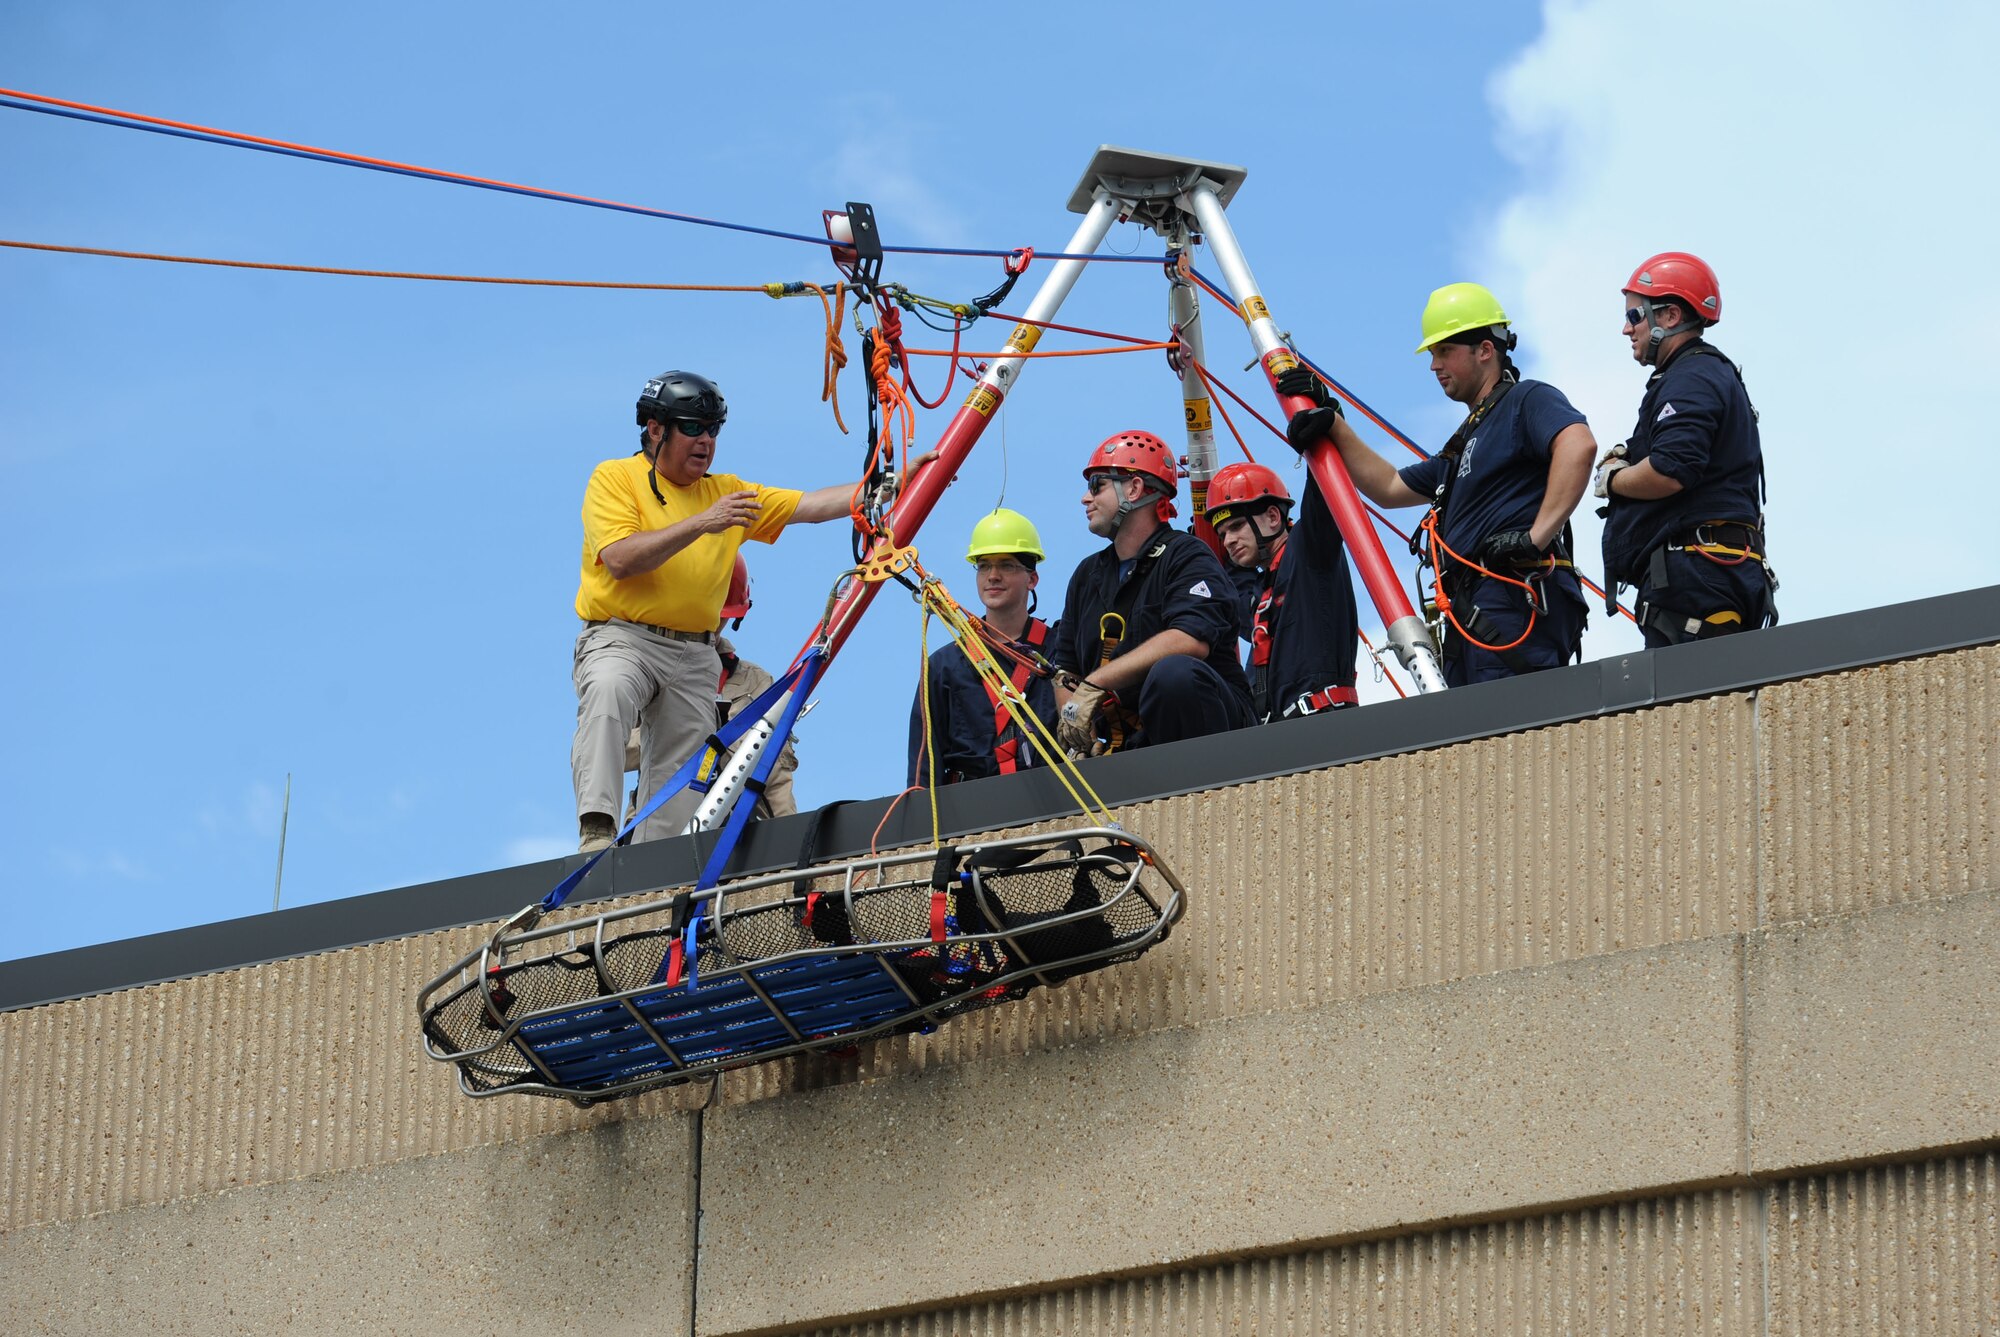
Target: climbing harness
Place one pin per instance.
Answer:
(1725, 543)
(1326, 698)
(1455, 576)
(1007, 745)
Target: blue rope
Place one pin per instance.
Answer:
(532, 192)
(1400, 434)
(714, 750)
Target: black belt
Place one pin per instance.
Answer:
(666, 633)
(1720, 534)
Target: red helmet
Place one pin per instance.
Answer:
(738, 602)
(1678, 274)
(1137, 453)
(1244, 489)
(1144, 454)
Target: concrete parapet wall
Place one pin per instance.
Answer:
(1497, 1024)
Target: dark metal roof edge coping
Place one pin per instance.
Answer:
(1602, 687)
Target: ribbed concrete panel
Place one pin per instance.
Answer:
(1608, 834)
(1875, 1035)
(1686, 1265)
(590, 1231)
(1317, 887)
(1888, 1250)
(251, 1076)
(1615, 1076)
(1880, 785)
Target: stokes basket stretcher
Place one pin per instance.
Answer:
(689, 986)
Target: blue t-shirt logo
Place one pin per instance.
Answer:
(1465, 459)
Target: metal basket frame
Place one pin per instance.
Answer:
(523, 1071)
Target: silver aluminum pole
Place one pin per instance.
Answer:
(1048, 300)
(1184, 307)
(284, 821)
(1405, 630)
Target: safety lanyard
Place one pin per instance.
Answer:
(1127, 593)
(1267, 604)
(1006, 747)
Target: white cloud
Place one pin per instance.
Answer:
(877, 160)
(1833, 162)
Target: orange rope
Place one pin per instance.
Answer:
(836, 351)
(1429, 526)
(1376, 655)
(386, 273)
(896, 408)
(1060, 352)
(1223, 409)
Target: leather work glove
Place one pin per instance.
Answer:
(1074, 725)
(1300, 380)
(1512, 547)
(1309, 427)
(1613, 460)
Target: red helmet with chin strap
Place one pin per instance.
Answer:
(1144, 454)
(1678, 274)
(737, 604)
(1245, 489)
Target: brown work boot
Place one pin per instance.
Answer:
(597, 830)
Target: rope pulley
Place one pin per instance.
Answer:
(857, 249)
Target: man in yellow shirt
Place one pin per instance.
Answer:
(660, 535)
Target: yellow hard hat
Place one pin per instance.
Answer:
(1004, 531)
(1456, 308)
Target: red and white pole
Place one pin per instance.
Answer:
(1406, 631)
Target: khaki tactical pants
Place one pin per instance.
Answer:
(624, 676)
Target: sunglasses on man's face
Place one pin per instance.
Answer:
(1096, 482)
(689, 427)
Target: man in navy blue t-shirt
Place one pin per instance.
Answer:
(1683, 513)
(1500, 491)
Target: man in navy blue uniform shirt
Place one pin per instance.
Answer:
(1302, 621)
(974, 729)
(1148, 634)
(1683, 514)
(1500, 491)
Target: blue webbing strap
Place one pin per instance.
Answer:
(806, 673)
(696, 772)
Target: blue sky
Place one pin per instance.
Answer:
(261, 523)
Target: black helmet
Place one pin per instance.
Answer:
(682, 394)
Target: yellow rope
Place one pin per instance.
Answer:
(937, 599)
(930, 734)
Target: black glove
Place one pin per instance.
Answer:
(1512, 547)
(1300, 380)
(1309, 427)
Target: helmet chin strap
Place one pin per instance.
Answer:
(1152, 498)
(1656, 333)
(1268, 543)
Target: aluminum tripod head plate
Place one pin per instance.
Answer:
(1147, 183)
